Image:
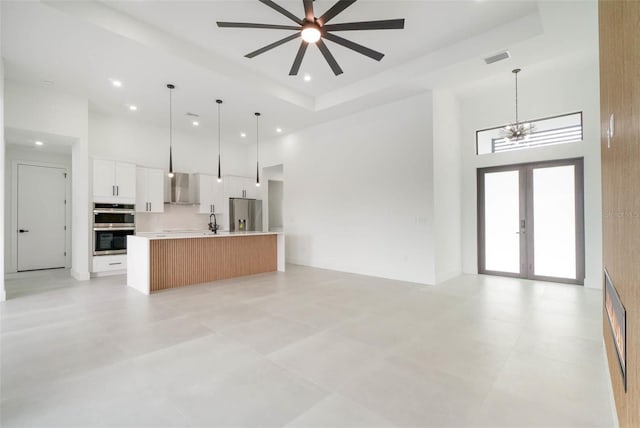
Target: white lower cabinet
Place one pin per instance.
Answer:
(109, 263)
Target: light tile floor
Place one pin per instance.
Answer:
(305, 348)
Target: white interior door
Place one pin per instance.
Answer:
(41, 217)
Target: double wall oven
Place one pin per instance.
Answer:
(112, 223)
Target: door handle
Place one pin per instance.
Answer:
(23, 230)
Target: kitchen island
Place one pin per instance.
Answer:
(159, 261)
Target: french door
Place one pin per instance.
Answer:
(531, 221)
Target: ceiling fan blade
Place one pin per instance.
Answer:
(282, 10)
(335, 9)
(298, 61)
(272, 45)
(354, 46)
(330, 59)
(387, 24)
(308, 10)
(252, 25)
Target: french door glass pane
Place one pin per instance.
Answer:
(502, 220)
(554, 222)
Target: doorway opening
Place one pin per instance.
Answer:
(274, 198)
(531, 221)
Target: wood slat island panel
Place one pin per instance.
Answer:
(179, 262)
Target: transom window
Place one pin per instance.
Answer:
(545, 132)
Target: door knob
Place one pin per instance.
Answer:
(22, 230)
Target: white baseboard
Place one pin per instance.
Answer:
(80, 276)
(108, 273)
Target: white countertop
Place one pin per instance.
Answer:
(196, 234)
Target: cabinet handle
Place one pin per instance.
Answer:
(115, 263)
(117, 190)
(113, 190)
(149, 206)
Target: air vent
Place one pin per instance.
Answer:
(497, 57)
(193, 114)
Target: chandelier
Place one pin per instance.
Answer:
(517, 131)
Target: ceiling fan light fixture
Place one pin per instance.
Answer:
(310, 33)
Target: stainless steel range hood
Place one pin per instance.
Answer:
(179, 192)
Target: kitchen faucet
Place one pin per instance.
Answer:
(213, 226)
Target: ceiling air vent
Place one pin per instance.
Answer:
(192, 114)
(497, 57)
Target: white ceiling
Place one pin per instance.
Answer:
(146, 44)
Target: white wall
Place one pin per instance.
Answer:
(148, 145)
(447, 184)
(17, 153)
(544, 90)
(275, 205)
(46, 110)
(359, 192)
(3, 294)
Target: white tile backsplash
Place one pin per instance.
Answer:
(174, 217)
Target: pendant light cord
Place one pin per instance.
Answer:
(257, 149)
(219, 140)
(171, 87)
(516, 71)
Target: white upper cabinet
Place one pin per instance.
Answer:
(114, 182)
(239, 187)
(208, 194)
(149, 190)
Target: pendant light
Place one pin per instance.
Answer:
(219, 172)
(517, 131)
(171, 88)
(257, 150)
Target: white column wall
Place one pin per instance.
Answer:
(545, 89)
(358, 192)
(447, 185)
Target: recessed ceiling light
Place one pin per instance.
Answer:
(278, 130)
(133, 108)
(39, 143)
(116, 83)
(307, 78)
(195, 123)
(243, 135)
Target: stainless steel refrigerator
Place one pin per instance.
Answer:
(245, 215)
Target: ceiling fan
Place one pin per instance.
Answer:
(314, 30)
